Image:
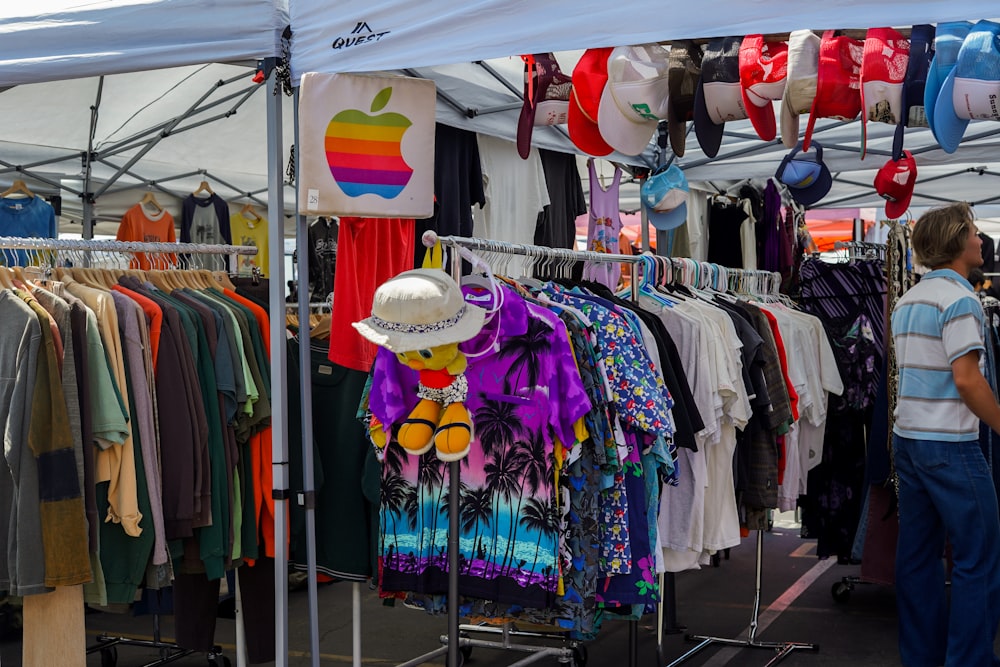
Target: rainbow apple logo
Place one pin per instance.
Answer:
(363, 150)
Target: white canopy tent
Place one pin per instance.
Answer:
(66, 41)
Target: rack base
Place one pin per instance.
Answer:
(783, 649)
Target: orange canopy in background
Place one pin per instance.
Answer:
(826, 233)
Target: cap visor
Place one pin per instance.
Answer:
(816, 191)
(789, 125)
(525, 125)
(931, 89)
(669, 220)
(709, 134)
(584, 133)
(897, 209)
(762, 118)
(624, 135)
(677, 131)
(948, 128)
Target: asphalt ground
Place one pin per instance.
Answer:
(796, 605)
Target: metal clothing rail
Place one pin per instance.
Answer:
(37, 243)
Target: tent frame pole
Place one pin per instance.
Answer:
(279, 364)
(307, 496)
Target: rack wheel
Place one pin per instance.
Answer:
(580, 656)
(841, 591)
(466, 652)
(218, 660)
(109, 656)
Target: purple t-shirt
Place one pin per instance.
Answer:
(524, 393)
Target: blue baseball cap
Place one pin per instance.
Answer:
(947, 43)
(807, 178)
(971, 89)
(664, 196)
(917, 69)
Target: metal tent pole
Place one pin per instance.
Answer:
(279, 374)
(308, 497)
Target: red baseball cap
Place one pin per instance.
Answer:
(838, 84)
(763, 72)
(894, 182)
(590, 76)
(883, 72)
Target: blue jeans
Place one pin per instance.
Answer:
(946, 490)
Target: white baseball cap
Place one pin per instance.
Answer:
(635, 98)
(800, 87)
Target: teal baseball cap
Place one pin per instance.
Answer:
(947, 43)
(971, 89)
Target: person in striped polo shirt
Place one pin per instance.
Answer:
(945, 486)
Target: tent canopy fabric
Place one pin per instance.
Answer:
(370, 35)
(52, 40)
(470, 50)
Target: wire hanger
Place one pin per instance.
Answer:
(18, 187)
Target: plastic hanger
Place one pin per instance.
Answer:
(18, 187)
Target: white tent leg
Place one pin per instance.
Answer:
(279, 375)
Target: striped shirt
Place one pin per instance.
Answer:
(937, 321)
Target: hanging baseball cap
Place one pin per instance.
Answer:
(894, 183)
(763, 71)
(635, 98)
(664, 195)
(546, 97)
(838, 83)
(947, 43)
(807, 178)
(590, 76)
(971, 89)
(883, 73)
(800, 84)
(719, 96)
(921, 52)
(683, 72)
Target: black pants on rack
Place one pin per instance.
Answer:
(196, 601)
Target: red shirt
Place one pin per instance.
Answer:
(369, 252)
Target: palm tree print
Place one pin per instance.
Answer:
(525, 354)
(392, 498)
(496, 424)
(529, 457)
(502, 480)
(477, 509)
(540, 515)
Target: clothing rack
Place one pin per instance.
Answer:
(47, 250)
(457, 646)
(698, 274)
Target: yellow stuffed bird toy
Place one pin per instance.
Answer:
(421, 316)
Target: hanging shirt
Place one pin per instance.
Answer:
(138, 225)
(515, 195)
(370, 251)
(205, 220)
(25, 217)
(524, 394)
(603, 228)
(247, 230)
(556, 226)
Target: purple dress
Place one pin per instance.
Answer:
(604, 228)
(524, 393)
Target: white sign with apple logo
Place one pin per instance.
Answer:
(366, 145)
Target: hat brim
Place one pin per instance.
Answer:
(676, 130)
(621, 133)
(789, 122)
(669, 220)
(948, 128)
(468, 327)
(895, 210)
(931, 89)
(709, 134)
(525, 125)
(583, 132)
(762, 118)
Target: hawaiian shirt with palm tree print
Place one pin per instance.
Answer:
(525, 392)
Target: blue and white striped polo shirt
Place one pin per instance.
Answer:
(934, 323)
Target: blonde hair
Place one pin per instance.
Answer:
(939, 236)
